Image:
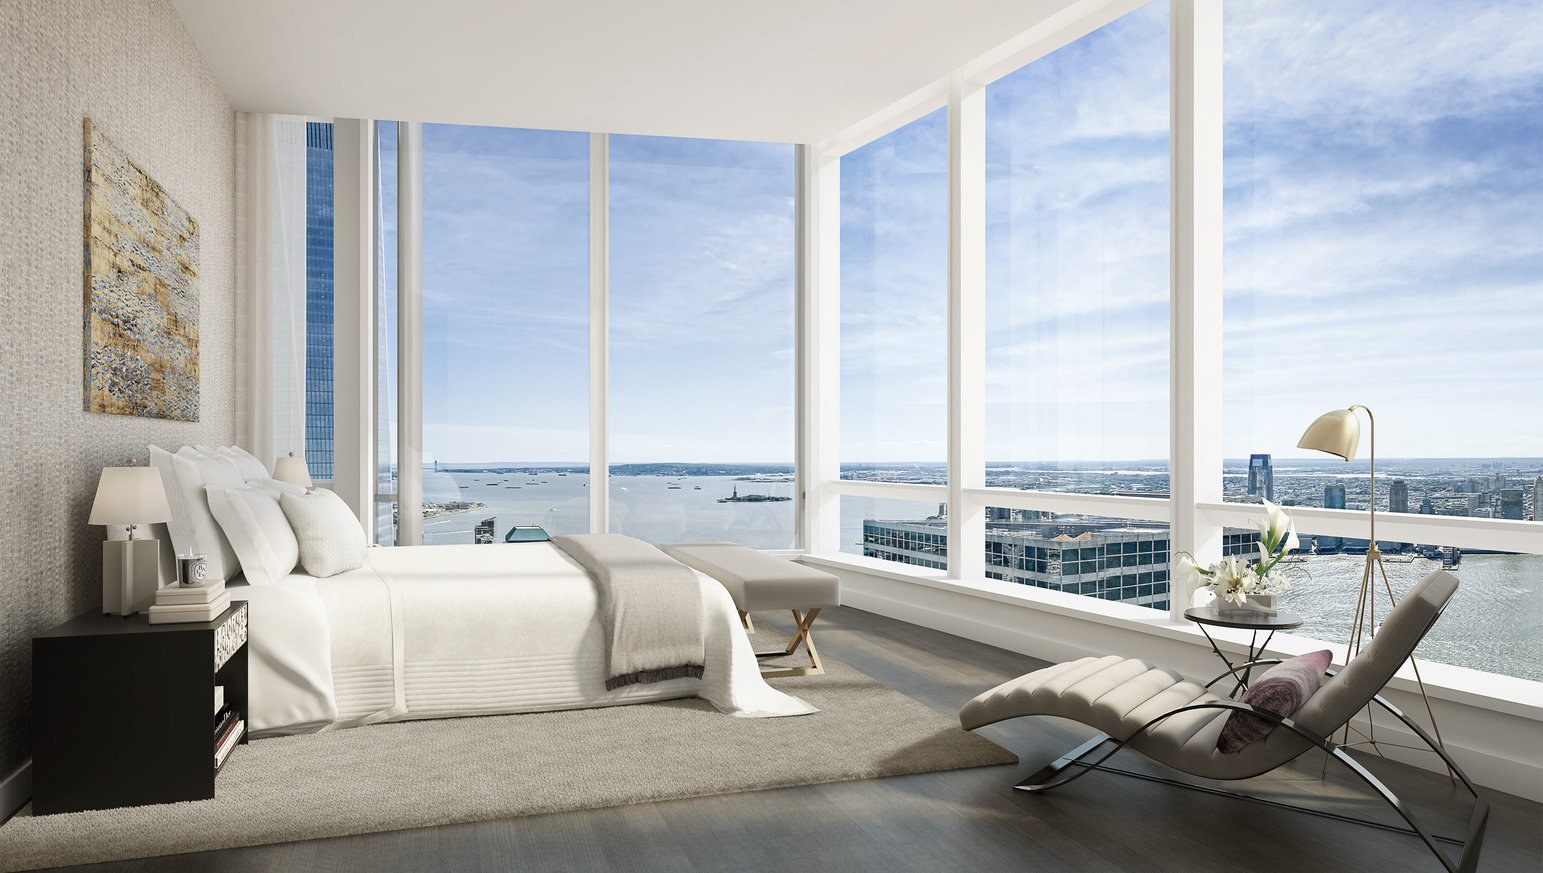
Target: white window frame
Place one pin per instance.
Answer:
(1194, 510)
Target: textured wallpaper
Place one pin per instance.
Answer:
(131, 66)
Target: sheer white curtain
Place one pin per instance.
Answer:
(270, 273)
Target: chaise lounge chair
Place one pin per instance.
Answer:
(1176, 722)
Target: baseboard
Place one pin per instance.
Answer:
(15, 791)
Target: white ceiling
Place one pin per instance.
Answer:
(777, 70)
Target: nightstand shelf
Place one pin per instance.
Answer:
(123, 710)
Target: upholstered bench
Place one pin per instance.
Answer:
(758, 581)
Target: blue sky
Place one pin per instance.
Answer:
(1384, 245)
(701, 297)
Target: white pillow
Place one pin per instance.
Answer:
(248, 465)
(331, 539)
(215, 468)
(257, 529)
(192, 525)
(277, 487)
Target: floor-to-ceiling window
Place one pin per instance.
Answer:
(701, 340)
(505, 332)
(1077, 236)
(385, 384)
(1384, 246)
(894, 328)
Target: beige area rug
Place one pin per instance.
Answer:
(425, 773)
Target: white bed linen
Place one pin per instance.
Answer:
(289, 661)
(439, 631)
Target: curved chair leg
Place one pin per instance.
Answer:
(1044, 779)
(1469, 859)
(1048, 777)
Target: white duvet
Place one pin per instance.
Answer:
(438, 631)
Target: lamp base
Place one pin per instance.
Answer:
(141, 561)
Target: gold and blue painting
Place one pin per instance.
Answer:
(141, 291)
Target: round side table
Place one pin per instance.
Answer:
(1256, 622)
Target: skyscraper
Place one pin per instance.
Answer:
(1261, 478)
(1537, 498)
(1398, 496)
(1333, 498)
(1511, 504)
(318, 299)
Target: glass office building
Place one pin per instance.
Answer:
(318, 299)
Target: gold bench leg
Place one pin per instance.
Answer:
(802, 635)
(749, 624)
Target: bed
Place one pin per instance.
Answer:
(443, 631)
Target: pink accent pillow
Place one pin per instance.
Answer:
(1281, 690)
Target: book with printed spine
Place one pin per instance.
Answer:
(172, 613)
(222, 725)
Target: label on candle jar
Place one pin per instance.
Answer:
(192, 570)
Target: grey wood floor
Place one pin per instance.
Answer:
(964, 820)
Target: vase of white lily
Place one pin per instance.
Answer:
(1248, 586)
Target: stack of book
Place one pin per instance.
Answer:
(228, 729)
(178, 603)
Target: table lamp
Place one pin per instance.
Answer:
(292, 469)
(131, 568)
(1338, 433)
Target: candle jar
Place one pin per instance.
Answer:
(192, 570)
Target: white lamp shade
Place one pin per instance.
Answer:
(1337, 433)
(292, 469)
(130, 495)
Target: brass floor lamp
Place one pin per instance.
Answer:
(1339, 433)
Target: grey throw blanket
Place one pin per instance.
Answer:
(652, 605)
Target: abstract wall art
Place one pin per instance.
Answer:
(141, 290)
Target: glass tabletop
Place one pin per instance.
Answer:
(1282, 620)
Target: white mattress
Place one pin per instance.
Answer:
(439, 631)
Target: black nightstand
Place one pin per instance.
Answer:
(123, 710)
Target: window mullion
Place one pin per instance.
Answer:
(1195, 410)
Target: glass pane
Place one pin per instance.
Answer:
(505, 332)
(1119, 559)
(318, 300)
(385, 333)
(894, 304)
(911, 532)
(701, 325)
(1494, 622)
(1383, 203)
(1077, 244)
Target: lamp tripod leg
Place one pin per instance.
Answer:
(1418, 680)
(1365, 608)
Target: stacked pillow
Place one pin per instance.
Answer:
(226, 506)
(256, 528)
(331, 540)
